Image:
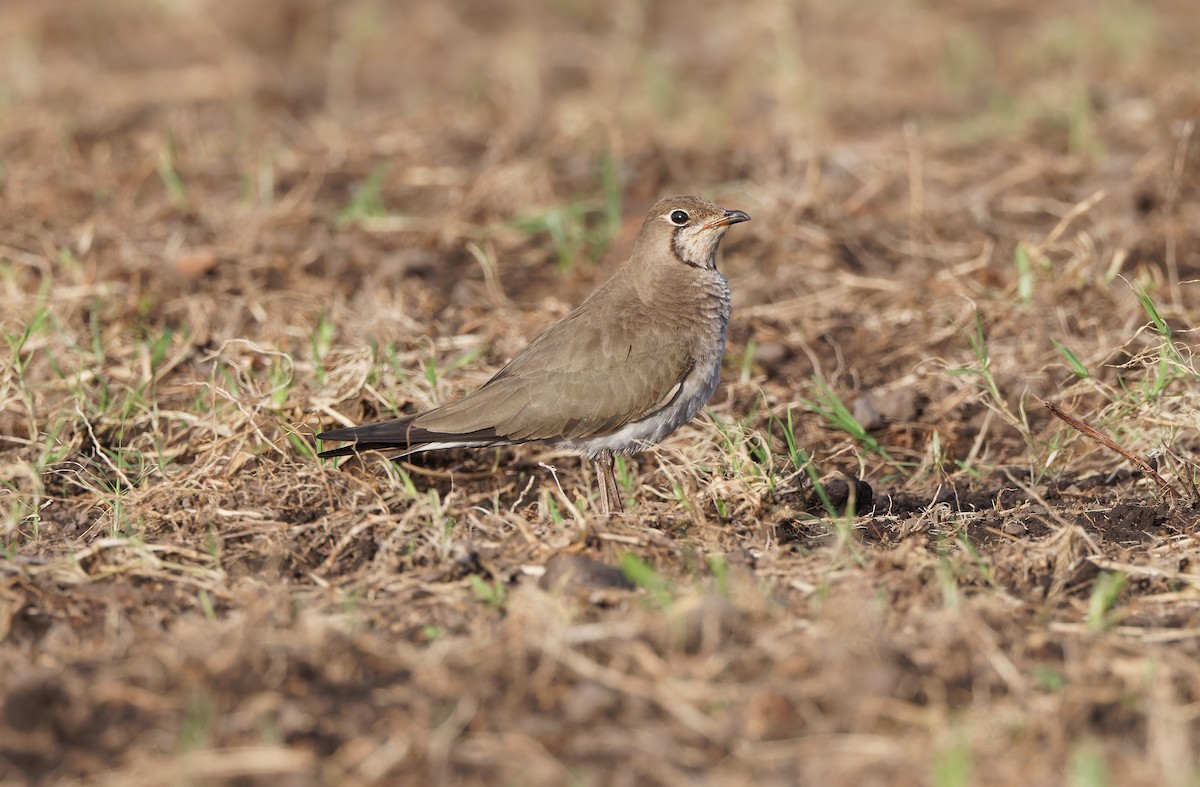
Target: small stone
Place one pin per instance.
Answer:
(587, 702)
(578, 571)
(195, 264)
(881, 406)
(770, 354)
(839, 492)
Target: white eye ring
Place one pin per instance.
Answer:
(678, 217)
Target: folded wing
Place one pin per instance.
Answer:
(569, 383)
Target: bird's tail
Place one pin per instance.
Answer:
(403, 436)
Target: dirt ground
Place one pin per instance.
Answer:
(228, 225)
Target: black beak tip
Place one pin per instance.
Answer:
(736, 216)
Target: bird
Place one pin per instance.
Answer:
(636, 360)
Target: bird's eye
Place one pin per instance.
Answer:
(679, 217)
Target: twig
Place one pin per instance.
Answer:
(1075, 212)
(1173, 188)
(1192, 470)
(1111, 445)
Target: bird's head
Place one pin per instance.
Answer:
(689, 229)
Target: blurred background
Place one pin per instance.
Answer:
(563, 115)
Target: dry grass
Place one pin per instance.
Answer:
(230, 224)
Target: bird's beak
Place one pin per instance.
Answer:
(730, 217)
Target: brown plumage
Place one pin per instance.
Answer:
(631, 364)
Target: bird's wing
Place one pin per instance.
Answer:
(572, 382)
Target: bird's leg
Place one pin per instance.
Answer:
(614, 492)
(607, 480)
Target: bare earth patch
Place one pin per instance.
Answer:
(877, 559)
